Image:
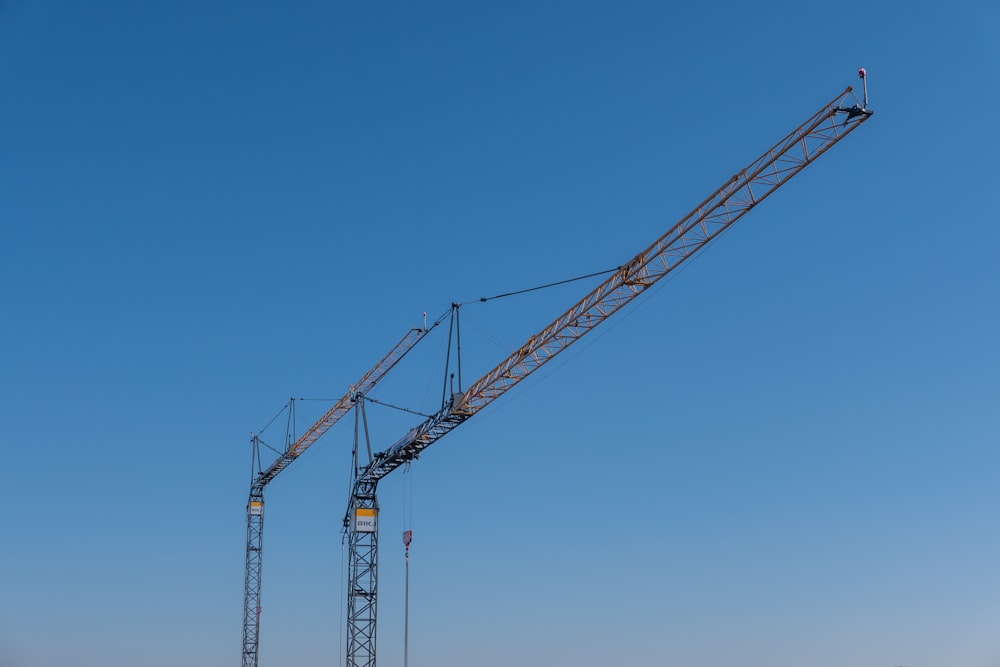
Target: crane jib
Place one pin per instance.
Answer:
(734, 199)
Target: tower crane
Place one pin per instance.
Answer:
(260, 478)
(734, 199)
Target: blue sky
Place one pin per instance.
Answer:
(785, 456)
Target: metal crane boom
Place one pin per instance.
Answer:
(734, 199)
(343, 406)
(255, 504)
(718, 212)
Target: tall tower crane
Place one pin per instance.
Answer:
(734, 199)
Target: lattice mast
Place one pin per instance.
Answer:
(260, 478)
(734, 199)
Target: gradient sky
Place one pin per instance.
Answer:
(786, 456)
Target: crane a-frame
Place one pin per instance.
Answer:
(734, 199)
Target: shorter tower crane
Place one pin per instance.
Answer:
(260, 478)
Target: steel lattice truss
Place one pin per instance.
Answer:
(362, 584)
(251, 583)
(708, 220)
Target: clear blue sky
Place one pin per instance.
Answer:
(785, 457)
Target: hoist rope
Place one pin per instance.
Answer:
(264, 442)
(394, 407)
(533, 289)
(485, 332)
(283, 408)
(408, 496)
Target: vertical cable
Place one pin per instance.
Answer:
(407, 539)
(447, 359)
(406, 616)
(458, 346)
(342, 629)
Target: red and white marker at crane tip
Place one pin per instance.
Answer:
(863, 75)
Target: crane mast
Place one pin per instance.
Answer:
(260, 478)
(720, 210)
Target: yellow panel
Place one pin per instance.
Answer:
(366, 512)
